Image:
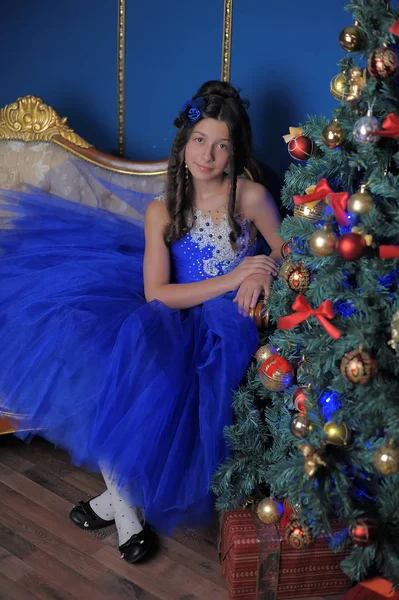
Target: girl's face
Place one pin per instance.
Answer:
(208, 149)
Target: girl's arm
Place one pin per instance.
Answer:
(258, 206)
(157, 268)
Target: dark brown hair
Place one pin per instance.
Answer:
(223, 103)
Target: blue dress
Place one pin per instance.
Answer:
(138, 388)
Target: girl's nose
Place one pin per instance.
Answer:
(207, 154)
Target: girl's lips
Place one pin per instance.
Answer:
(206, 169)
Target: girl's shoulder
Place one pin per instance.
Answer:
(250, 196)
(157, 210)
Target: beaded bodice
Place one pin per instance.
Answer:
(205, 250)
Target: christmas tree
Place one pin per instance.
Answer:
(317, 419)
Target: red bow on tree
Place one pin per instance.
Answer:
(337, 200)
(304, 311)
(389, 252)
(390, 127)
(395, 28)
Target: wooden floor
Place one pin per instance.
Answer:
(43, 555)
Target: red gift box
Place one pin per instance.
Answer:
(373, 589)
(258, 564)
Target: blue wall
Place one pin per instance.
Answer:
(284, 56)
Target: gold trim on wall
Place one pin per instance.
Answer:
(29, 119)
(121, 75)
(227, 32)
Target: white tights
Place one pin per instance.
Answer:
(112, 505)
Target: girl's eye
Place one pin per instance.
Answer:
(199, 139)
(223, 146)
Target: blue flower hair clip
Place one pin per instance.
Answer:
(195, 109)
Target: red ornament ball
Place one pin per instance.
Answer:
(299, 398)
(300, 147)
(285, 249)
(351, 246)
(383, 63)
(363, 533)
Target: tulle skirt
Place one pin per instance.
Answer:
(137, 388)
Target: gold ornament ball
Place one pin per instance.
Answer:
(264, 352)
(322, 242)
(261, 315)
(269, 510)
(296, 276)
(333, 134)
(300, 426)
(357, 367)
(339, 87)
(386, 459)
(351, 38)
(276, 373)
(297, 535)
(311, 211)
(360, 203)
(338, 435)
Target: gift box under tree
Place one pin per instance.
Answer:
(259, 564)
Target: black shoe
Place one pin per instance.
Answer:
(140, 545)
(84, 517)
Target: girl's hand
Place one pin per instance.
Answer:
(250, 290)
(252, 265)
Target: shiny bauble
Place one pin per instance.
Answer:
(360, 203)
(352, 38)
(333, 135)
(264, 352)
(357, 367)
(299, 398)
(311, 211)
(296, 276)
(261, 315)
(383, 63)
(297, 535)
(276, 373)
(299, 426)
(300, 147)
(364, 128)
(386, 459)
(363, 533)
(322, 242)
(339, 87)
(269, 510)
(337, 435)
(351, 246)
(286, 249)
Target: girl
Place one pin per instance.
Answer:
(133, 376)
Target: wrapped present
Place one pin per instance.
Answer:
(258, 564)
(373, 589)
